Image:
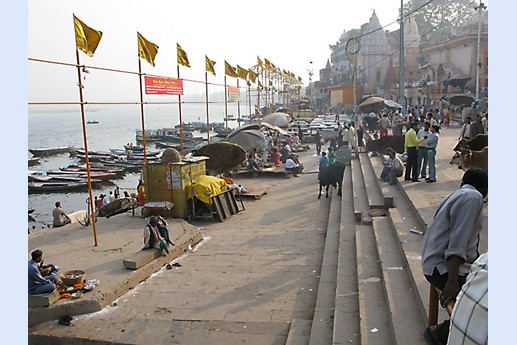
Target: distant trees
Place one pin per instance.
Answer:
(442, 15)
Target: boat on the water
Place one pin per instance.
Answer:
(123, 152)
(56, 186)
(164, 134)
(101, 175)
(48, 151)
(92, 122)
(34, 161)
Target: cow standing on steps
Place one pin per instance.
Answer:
(332, 175)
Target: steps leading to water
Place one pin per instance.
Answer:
(323, 320)
(372, 262)
(346, 314)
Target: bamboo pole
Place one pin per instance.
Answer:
(92, 206)
(180, 115)
(142, 108)
(238, 104)
(207, 117)
(226, 104)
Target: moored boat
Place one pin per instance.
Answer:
(56, 186)
(164, 134)
(48, 151)
(34, 161)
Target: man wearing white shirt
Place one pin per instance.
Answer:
(292, 166)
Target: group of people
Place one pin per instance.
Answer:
(420, 145)
(43, 279)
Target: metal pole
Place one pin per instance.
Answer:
(239, 104)
(92, 209)
(181, 118)
(401, 52)
(207, 117)
(226, 104)
(481, 7)
(142, 107)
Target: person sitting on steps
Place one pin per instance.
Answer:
(156, 235)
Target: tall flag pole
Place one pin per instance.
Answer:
(182, 60)
(87, 40)
(242, 73)
(226, 105)
(252, 78)
(147, 51)
(209, 68)
(229, 70)
(260, 70)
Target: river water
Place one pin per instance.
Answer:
(52, 126)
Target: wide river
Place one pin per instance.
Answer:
(62, 126)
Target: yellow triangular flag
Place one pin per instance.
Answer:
(86, 38)
(259, 62)
(209, 65)
(252, 76)
(182, 56)
(229, 70)
(268, 64)
(242, 72)
(146, 50)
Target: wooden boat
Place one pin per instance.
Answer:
(56, 186)
(122, 164)
(136, 148)
(123, 152)
(61, 178)
(48, 151)
(93, 168)
(117, 206)
(163, 134)
(34, 161)
(93, 174)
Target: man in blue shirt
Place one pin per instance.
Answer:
(324, 161)
(450, 245)
(37, 283)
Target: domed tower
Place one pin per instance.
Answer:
(411, 50)
(375, 53)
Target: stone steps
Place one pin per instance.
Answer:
(379, 288)
(323, 319)
(346, 314)
(374, 309)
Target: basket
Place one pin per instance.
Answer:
(72, 277)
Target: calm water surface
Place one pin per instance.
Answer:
(62, 126)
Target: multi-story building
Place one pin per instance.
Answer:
(433, 67)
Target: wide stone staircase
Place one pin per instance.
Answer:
(371, 288)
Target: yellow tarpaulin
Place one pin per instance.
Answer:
(206, 186)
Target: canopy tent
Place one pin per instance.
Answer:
(248, 139)
(222, 155)
(456, 81)
(281, 120)
(373, 103)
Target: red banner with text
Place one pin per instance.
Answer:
(163, 86)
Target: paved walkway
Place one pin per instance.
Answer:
(249, 278)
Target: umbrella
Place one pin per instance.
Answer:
(373, 103)
(392, 104)
(248, 139)
(461, 100)
(275, 128)
(222, 155)
(242, 128)
(281, 120)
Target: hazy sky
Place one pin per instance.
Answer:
(289, 34)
